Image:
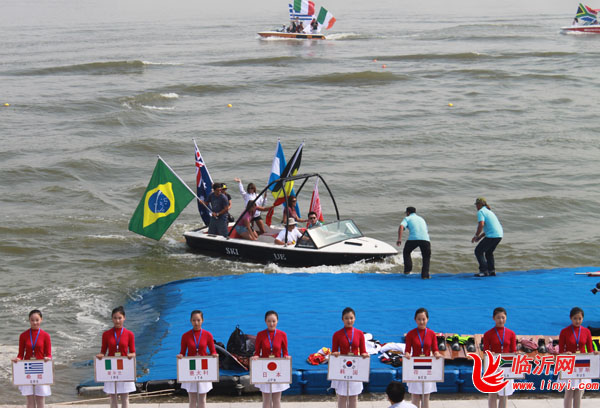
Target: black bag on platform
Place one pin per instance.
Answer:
(241, 344)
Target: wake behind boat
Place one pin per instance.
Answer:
(585, 21)
(336, 243)
(304, 23)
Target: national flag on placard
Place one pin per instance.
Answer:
(203, 185)
(422, 364)
(315, 202)
(325, 18)
(272, 366)
(192, 364)
(582, 363)
(108, 364)
(506, 361)
(34, 368)
(164, 199)
(304, 7)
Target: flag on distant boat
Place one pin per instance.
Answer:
(586, 14)
(315, 202)
(203, 185)
(325, 18)
(304, 7)
(164, 199)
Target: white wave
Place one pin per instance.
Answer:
(158, 108)
(170, 95)
(161, 63)
(392, 264)
(110, 236)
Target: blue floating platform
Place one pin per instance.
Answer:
(310, 306)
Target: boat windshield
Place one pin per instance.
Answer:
(329, 234)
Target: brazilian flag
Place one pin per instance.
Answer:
(165, 198)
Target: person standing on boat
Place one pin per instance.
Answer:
(219, 206)
(250, 195)
(34, 344)
(314, 25)
(271, 343)
(418, 237)
(489, 232)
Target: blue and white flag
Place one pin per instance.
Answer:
(204, 185)
(34, 368)
(298, 15)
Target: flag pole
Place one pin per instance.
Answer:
(182, 182)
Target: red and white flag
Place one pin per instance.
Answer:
(315, 202)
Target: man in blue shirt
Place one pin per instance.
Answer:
(219, 205)
(418, 237)
(489, 232)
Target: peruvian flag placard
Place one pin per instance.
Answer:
(271, 371)
(114, 369)
(198, 369)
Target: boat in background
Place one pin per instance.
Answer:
(585, 21)
(304, 23)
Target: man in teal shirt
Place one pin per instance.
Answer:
(418, 237)
(489, 232)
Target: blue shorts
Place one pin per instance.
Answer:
(240, 229)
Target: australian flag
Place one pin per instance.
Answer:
(203, 185)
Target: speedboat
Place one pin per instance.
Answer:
(588, 29)
(286, 35)
(334, 243)
(585, 21)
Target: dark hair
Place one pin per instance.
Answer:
(499, 310)
(271, 312)
(312, 212)
(251, 185)
(348, 310)
(422, 310)
(119, 309)
(35, 311)
(576, 310)
(290, 198)
(197, 312)
(217, 185)
(395, 391)
(411, 210)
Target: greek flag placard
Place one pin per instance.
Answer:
(114, 369)
(271, 371)
(422, 369)
(33, 372)
(349, 368)
(198, 369)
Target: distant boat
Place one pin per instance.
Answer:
(304, 23)
(585, 21)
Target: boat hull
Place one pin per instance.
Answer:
(291, 36)
(342, 253)
(591, 29)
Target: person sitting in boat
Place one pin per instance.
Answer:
(300, 28)
(314, 25)
(292, 28)
(250, 195)
(313, 220)
(244, 226)
(293, 234)
(290, 211)
(575, 21)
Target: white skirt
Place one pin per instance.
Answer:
(508, 390)
(40, 390)
(345, 388)
(192, 387)
(266, 388)
(417, 387)
(123, 387)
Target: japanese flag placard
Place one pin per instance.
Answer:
(422, 369)
(582, 366)
(349, 368)
(33, 372)
(506, 365)
(271, 371)
(198, 369)
(114, 369)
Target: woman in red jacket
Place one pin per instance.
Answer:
(34, 344)
(195, 343)
(575, 339)
(500, 340)
(118, 341)
(271, 343)
(348, 340)
(421, 342)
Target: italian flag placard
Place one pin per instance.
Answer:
(198, 369)
(325, 18)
